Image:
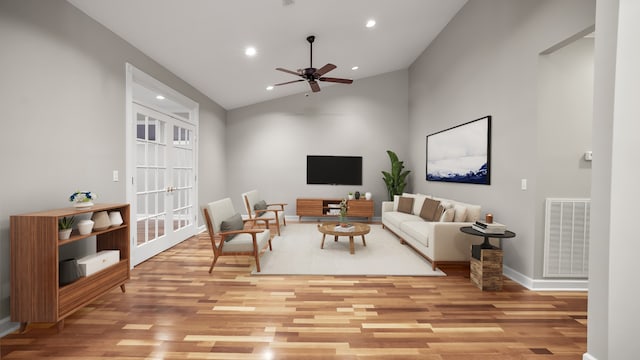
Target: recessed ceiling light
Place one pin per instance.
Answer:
(355, 68)
(270, 87)
(159, 97)
(250, 51)
(371, 23)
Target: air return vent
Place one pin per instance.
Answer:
(566, 238)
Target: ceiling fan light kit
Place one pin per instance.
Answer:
(311, 74)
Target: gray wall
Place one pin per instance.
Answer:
(485, 62)
(267, 143)
(565, 120)
(62, 97)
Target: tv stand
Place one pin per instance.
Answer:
(330, 207)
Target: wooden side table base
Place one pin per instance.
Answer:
(486, 272)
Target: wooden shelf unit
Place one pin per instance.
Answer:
(320, 207)
(35, 293)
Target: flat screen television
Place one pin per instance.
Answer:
(334, 170)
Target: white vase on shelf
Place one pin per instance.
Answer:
(116, 218)
(85, 227)
(83, 204)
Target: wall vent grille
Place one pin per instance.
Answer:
(566, 238)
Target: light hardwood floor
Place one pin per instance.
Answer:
(175, 309)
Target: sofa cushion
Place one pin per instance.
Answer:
(447, 215)
(429, 210)
(418, 201)
(396, 218)
(460, 213)
(396, 199)
(418, 230)
(405, 204)
(473, 213)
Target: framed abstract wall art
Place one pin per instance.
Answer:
(461, 154)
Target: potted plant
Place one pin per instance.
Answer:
(350, 196)
(395, 180)
(343, 213)
(82, 199)
(65, 226)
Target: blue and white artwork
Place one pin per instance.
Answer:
(461, 154)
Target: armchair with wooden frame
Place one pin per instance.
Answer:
(244, 242)
(273, 212)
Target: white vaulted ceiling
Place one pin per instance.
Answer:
(203, 41)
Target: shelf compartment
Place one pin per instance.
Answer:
(75, 295)
(75, 236)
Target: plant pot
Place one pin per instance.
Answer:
(350, 196)
(367, 195)
(64, 234)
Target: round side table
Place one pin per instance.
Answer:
(486, 244)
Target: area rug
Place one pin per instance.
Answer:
(297, 252)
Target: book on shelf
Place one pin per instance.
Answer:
(489, 230)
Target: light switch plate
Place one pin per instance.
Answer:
(115, 175)
(523, 184)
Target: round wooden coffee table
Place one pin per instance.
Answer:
(332, 229)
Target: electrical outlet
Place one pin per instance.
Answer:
(115, 175)
(523, 184)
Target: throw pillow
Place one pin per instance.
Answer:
(405, 204)
(429, 210)
(232, 223)
(260, 205)
(460, 213)
(396, 198)
(447, 215)
(418, 201)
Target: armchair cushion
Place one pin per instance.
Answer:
(233, 223)
(260, 205)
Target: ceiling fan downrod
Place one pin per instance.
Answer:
(310, 39)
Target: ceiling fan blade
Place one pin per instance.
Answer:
(288, 82)
(314, 86)
(325, 69)
(289, 71)
(336, 80)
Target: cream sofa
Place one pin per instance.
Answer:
(438, 241)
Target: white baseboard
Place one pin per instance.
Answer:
(545, 284)
(586, 356)
(7, 327)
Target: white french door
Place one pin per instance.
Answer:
(164, 182)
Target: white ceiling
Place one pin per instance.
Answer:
(203, 41)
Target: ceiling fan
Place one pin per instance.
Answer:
(313, 75)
